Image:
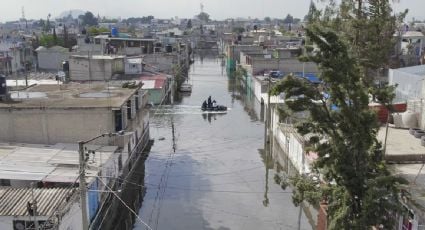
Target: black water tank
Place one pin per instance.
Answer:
(65, 66)
(169, 48)
(3, 88)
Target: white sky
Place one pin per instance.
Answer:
(218, 9)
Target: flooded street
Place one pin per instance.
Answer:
(208, 170)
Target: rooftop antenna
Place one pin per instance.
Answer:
(23, 12)
(23, 17)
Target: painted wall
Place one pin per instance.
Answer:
(294, 148)
(155, 96)
(284, 65)
(97, 70)
(51, 126)
(72, 220)
(132, 68)
(51, 60)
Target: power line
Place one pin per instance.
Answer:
(131, 155)
(119, 198)
(43, 226)
(205, 190)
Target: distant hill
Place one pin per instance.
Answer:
(74, 13)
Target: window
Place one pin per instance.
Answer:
(120, 162)
(4, 182)
(118, 120)
(136, 98)
(129, 109)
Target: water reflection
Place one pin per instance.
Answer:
(208, 116)
(251, 105)
(214, 176)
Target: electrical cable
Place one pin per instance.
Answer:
(119, 198)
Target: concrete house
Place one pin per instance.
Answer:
(410, 89)
(133, 65)
(95, 67)
(51, 58)
(285, 60)
(14, 56)
(104, 44)
(42, 126)
(14, 213)
(49, 176)
(157, 87)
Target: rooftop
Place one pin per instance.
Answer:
(153, 82)
(125, 39)
(99, 57)
(415, 70)
(401, 145)
(13, 201)
(73, 95)
(49, 163)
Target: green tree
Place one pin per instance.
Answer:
(368, 27)
(289, 19)
(203, 17)
(313, 14)
(358, 186)
(238, 30)
(88, 19)
(92, 30)
(48, 40)
(267, 19)
(189, 24)
(55, 37)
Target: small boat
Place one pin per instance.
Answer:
(185, 87)
(214, 108)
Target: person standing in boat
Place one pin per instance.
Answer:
(209, 102)
(204, 105)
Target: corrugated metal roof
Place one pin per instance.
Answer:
(13, 201)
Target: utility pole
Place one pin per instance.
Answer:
(34, 206)
(82, 185)
(88, 58)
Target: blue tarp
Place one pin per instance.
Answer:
(93, 199)
(311, 77)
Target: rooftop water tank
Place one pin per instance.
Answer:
(3, 87)
(114, 32)
(169, 48)
(409, 119)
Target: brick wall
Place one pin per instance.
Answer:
(322, 223)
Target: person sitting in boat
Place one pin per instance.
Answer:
(204, 105)
(209, 102)
(214, 103)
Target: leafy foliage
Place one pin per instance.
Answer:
(238, 30)
(88, 19)
(203, 17)
(288, 19)
(92, 30)
(368, 26)
(350, 157)
(189, 24)
(49, 40)
(144, 20)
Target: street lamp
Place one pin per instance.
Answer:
(82, 172)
